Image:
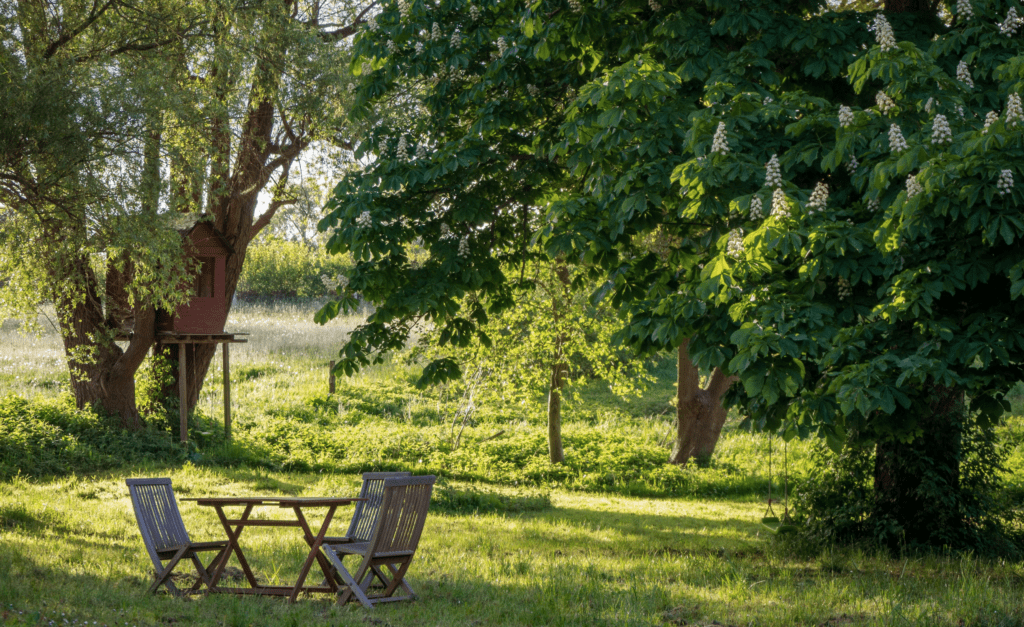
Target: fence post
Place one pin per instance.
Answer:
(330, 380)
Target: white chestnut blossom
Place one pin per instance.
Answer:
(844, 288)
(435, 32)
(1011, 24)
(990, 119)
(351, 87)
(734, 248)
(767, 100)
(873, 205)
(533, 90)
(929, 104)
(845, 116)
(964, 9)
(896, 142)
(502, 46)
(883, 33)
(392, 47)
(941, 134)
(884, 102)
(852, 165)
(913, 187)
(364, 220)
(756, 208)
(780, 206)
(1005, 182)
(402, 149)
(421, 151)
(366, 68)
(963, 74)
(372, 23)
(720, 144)
(456, 39)
(1013, 110)
(575, 5)
(446, 232)
(818, 200)
(773, 172)
(474, 12)
(404, 8)
(654, 5)
(419, 47)
(464, 246)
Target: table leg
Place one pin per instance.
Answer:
(314, 551)
(233, 547)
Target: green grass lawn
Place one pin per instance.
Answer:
(70, 549)
(615, 536)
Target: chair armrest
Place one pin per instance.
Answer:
(338, 540)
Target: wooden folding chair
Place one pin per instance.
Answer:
(364, 518)
(392, 543)
(163, 533)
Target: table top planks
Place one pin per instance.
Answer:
(280, 501)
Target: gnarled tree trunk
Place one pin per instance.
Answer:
(102, 373)
(699, 412)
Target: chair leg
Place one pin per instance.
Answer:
(402, 580)
(204, 571)
(397, 578)
(352, 587)
(163, 576)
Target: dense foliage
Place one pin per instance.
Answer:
(823, 201)
(278, 268)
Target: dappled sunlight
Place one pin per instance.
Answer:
(586, 560)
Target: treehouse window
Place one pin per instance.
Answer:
(204, 278)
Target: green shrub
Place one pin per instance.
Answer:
(46, 437)
(276, 268)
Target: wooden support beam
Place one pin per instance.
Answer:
(182, 393)
(227, 394)
(330, 379)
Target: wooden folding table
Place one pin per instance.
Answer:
(233, 527)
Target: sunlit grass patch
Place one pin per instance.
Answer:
(588, 559)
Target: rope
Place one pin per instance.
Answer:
(770, 510)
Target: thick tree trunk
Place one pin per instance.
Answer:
(555, 451)
(915, 480)
(699, 412)
(102, 374)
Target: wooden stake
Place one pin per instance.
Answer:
(330, 380)
(182, 393)
(227, 394)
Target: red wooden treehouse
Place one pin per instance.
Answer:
(201, 320)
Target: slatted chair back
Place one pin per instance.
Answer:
(403, 511)
(364, 518)
(156, 511)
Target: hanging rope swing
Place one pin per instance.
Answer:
(771, 520)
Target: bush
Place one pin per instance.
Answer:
(46, 437)
(837, 502)
(276, 268)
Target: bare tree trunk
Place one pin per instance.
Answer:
(559, 367)
(699, 412)
(555, 451)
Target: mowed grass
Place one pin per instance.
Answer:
(70, 550)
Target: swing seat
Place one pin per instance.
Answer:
(778, 527)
